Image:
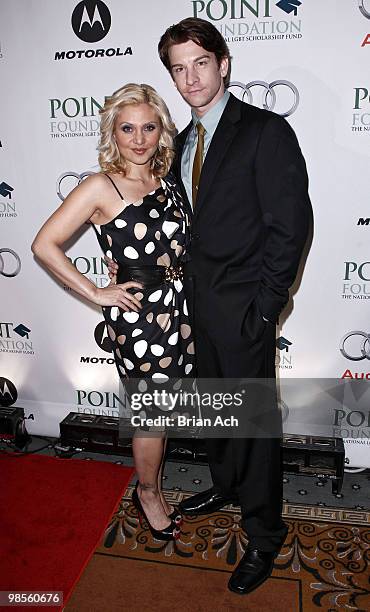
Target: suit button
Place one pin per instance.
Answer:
(194, 237)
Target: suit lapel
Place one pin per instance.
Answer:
(222, 138)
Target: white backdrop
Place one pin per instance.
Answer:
(52, 85)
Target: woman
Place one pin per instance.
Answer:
(140, 223)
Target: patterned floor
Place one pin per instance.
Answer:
(326, 552)
(355, 493)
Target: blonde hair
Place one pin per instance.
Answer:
(110, 159)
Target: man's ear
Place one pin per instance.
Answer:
(224, 66)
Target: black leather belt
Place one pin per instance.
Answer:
(149, 276)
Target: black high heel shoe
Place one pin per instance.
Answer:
(176, 516)
(168, 533)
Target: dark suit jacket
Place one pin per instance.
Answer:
(250, 222)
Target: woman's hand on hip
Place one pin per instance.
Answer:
(118, 295)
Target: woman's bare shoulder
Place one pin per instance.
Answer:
(97, 181)
(96, 187)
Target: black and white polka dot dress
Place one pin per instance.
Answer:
(156, 342)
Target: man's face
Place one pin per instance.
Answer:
(197, 75)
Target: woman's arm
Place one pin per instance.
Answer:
(76, 209)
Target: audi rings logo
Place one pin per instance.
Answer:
(10, 264)
(68, 181)
(356, 346)
(287, 92)
(364, 11)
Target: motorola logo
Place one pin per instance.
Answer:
(94, 360)
(68, 181)
(8, 392)
(91, 20)
(102, 338)
(280, 96)
(364, 6)
(10, 263)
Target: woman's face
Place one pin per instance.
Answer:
(137, 131)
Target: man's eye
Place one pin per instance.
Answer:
(179, 69)
(202, 63)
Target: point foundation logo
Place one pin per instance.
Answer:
(94, 268)
(246, 21)
(283, 358)
(356, 280)
(91, 22)
(7, 202)
(361, 108)
(105, 403)
(15, 338)
(74, 117)
(351, 423)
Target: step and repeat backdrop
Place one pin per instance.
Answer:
(304, 59)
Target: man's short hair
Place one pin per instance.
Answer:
(200, 31)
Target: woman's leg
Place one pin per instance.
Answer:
(147, 449)
(167, 508)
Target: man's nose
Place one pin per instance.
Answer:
(191, 76)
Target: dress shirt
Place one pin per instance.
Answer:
(209, 121)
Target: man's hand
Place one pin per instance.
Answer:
(112, 269)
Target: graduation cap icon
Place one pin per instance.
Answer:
(22, 330)
(6, 190)
(289, 6)
(283, 343)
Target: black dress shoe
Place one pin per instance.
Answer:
(204, 503)
(253, 569)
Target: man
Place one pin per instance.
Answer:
(244, 176)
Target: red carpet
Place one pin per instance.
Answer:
(53, 513)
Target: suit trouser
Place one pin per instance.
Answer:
(247, 470)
